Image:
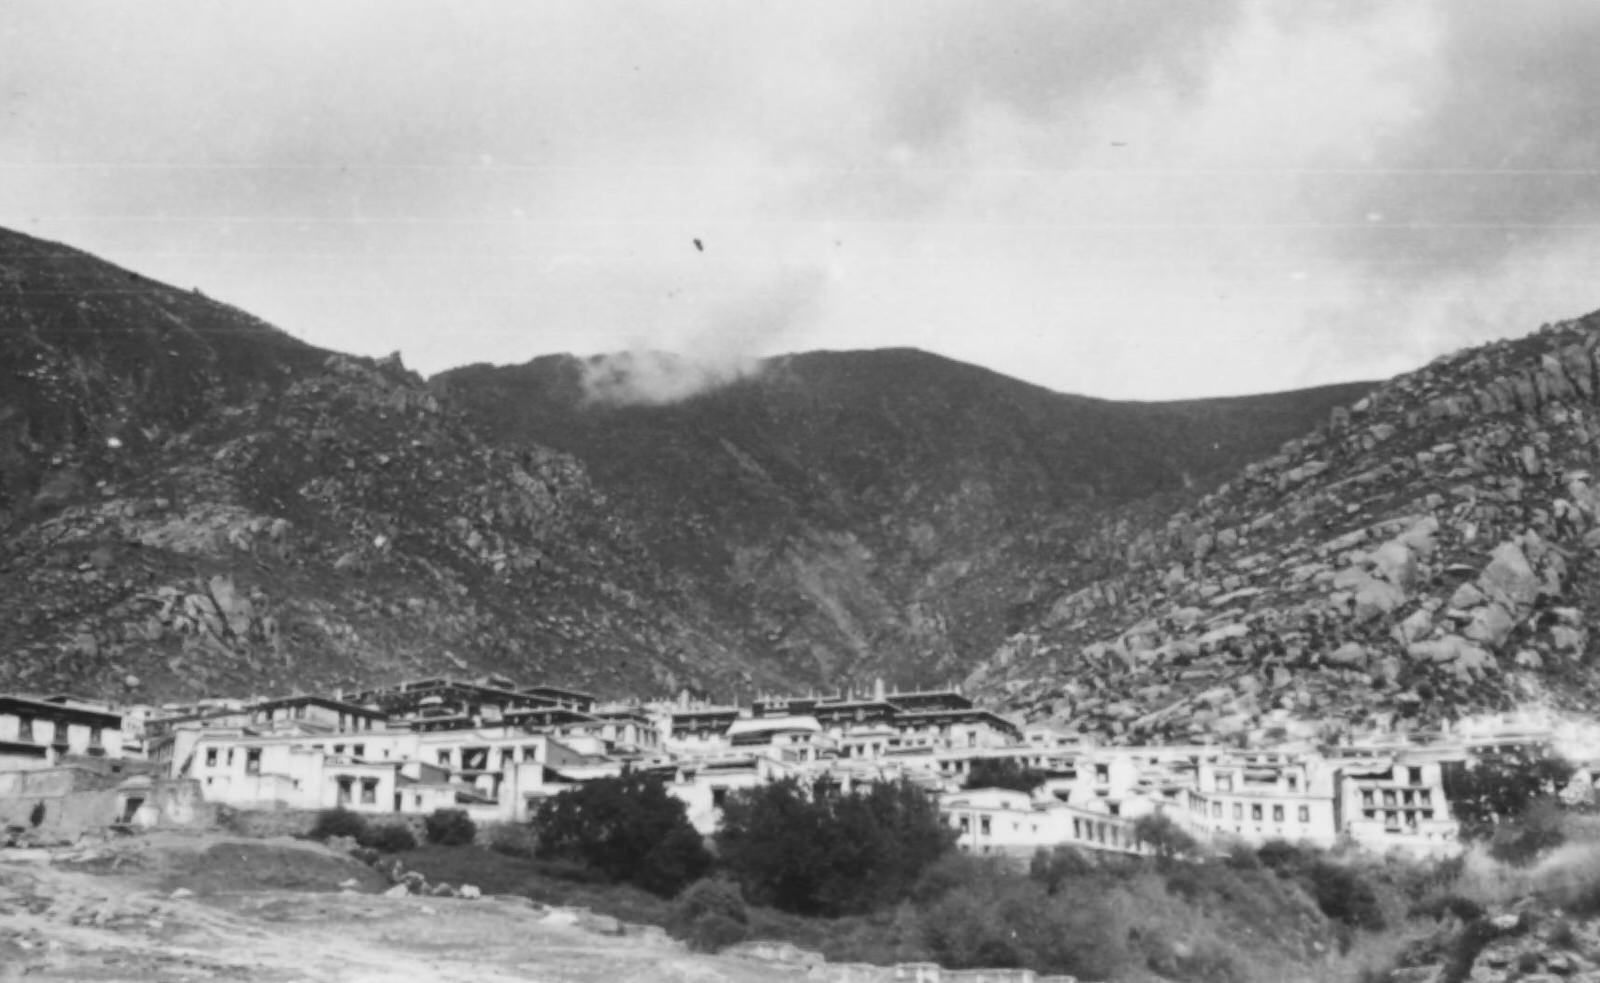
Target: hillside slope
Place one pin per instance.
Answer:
(197, 503)
(1429, 551)
(193, 502)
(876, 513)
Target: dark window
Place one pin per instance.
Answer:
(211, 757)
(1305, 814)
(1277, 814)
(344, 791)
(252, 761)
(369, 791)
(25, 729)
(1255, 813)
(983, 825)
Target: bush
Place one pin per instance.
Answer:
(1003, 773)
(831, 855)
(513, 840)
(628, 828)
(1500, 788)
(1344, 896)
(710, 915)
(36, 816)
(1164, 836)
(1056, 869)
(339, 822)
(451, 827)
(389, 838)
(1282, 857)
(1538, 830)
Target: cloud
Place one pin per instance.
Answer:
(1502, 148)
(1124, 197)
(1040, 59)
(723, 350)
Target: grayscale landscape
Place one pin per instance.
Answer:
(997, 493)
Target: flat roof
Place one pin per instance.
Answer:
(58, 711)
(322, 701)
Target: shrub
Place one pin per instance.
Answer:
(451, 827)
(1056, 869)
(513, 840)
(1163, 835)
(36, 816)
(1537, 830)
(1003, 773)
(1500, 788)
(629, 828)
(1344, 896)
(831, 855)
(710, 915)
(1241, 856)
(389, 838)
(339, 822)
(1282, 857)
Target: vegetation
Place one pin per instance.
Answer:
(710, 915)
(830, 854)
(1500, 788)
(1163, 835)
(450, 827)
(338, 822)
(1003, 773)
(389, 838)
(513, 840)
(628, 828)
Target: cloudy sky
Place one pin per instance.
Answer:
(1132, 199)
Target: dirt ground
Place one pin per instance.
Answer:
(186, 907)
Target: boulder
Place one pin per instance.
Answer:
(1376, 598)
(1352, 654)
(1509, 578)
(1491, 624)
(1467, 597)
(1394, 562)
(1450, 648)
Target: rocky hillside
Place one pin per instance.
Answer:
(1428, 551)
(195, 503)
(879, 513)
(192, 501)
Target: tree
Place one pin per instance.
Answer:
(831, 855)
(1499, 788)
(628, 828)
(1003, 773)
(1164, 836)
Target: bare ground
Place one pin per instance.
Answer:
(186, 907)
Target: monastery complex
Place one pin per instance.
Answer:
(497, 750)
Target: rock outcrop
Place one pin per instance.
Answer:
(1425, 553)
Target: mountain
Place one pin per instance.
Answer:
(194, 502)
(1427, 552)
(866, 514)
